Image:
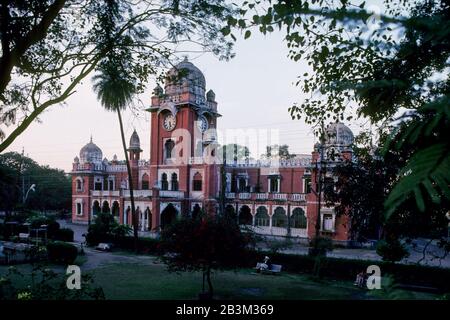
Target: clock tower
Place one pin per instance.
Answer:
(183, 170)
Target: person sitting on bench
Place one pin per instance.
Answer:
(360, 279)
(265, 265)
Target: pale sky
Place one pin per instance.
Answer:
(253, 90)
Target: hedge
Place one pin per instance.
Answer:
(346, 269)
(64, 234)
(61, 252)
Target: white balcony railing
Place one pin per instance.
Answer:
(245, 195)
(262, 196)
(230, 195)
(298, 197)
(105, 193)
(171, 194)
(279, 196)
(138, 193)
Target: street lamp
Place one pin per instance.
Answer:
(25, 196)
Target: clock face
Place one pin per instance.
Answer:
(169, 122)
(202, 124)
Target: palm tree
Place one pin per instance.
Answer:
(115, 91)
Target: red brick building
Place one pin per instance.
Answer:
(183, 176)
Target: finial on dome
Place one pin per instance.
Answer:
(91, 138)
(185, 58)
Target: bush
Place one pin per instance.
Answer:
(64, 234)
(391, 250)
(61, 252)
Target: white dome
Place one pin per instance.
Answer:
(338, 134)
(91, 153)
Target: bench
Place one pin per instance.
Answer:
(24, 236)
(104, 246)
(274, 268)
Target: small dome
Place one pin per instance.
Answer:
(158, 91)
(210, 96)
(105, 160)
(76, 159)
(91, 153)
(185, 76)
(115, 157)
(135, 142)
(339, 134)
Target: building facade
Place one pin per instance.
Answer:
(185, 174)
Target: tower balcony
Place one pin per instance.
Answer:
(254, 196)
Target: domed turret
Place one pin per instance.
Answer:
(135, 142)
(210, 96)
(185, 76)
(339, 135)
(158, 91)
(76, 159)
(91, 153)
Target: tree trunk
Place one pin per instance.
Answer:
(208, 278)
(130, 182)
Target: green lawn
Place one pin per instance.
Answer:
(134, 281)
(132, 277)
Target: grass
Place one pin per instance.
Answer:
(148, 279)
(142, 281)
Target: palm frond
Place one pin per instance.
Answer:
(427, 171)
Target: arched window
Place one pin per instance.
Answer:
(79, 208)
(169, 145)
(245, 216)
(262, 218)
(298, 219)
(274, 184)
(164, 182)
(174, 182)
(96, 207)
(145, 184)
(279, 218)
(115, 209)
(105, 207)
(79, 184)
(197, 182)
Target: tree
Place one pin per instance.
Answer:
(233, 152)
(378, 65)
(52, 190)
(115, 89)
(281, 151)
(50, 46)
(206, 244)
(361, 190)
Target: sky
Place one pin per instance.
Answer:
(254, 91)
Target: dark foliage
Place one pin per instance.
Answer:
(61, 252)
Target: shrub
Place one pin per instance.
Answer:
(64, 234)
(61, 252)
(391, 250)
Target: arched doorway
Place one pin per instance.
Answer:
(298, 219)
(196, 211)
(230, 213)
(168, 215)
(115, 210)
(148, 219)
(262, 218)
(96, 207)
(105, 207)
(245, 216)
(279, 218)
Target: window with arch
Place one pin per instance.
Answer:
(79, 184)
(298, 218)
(145, 182)
(164, 182)
(174, 182)
(274, 184)
(168, 148)
(279, 218)
(262, 218)
(197, 182)
(79, 209)
(111, 184)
